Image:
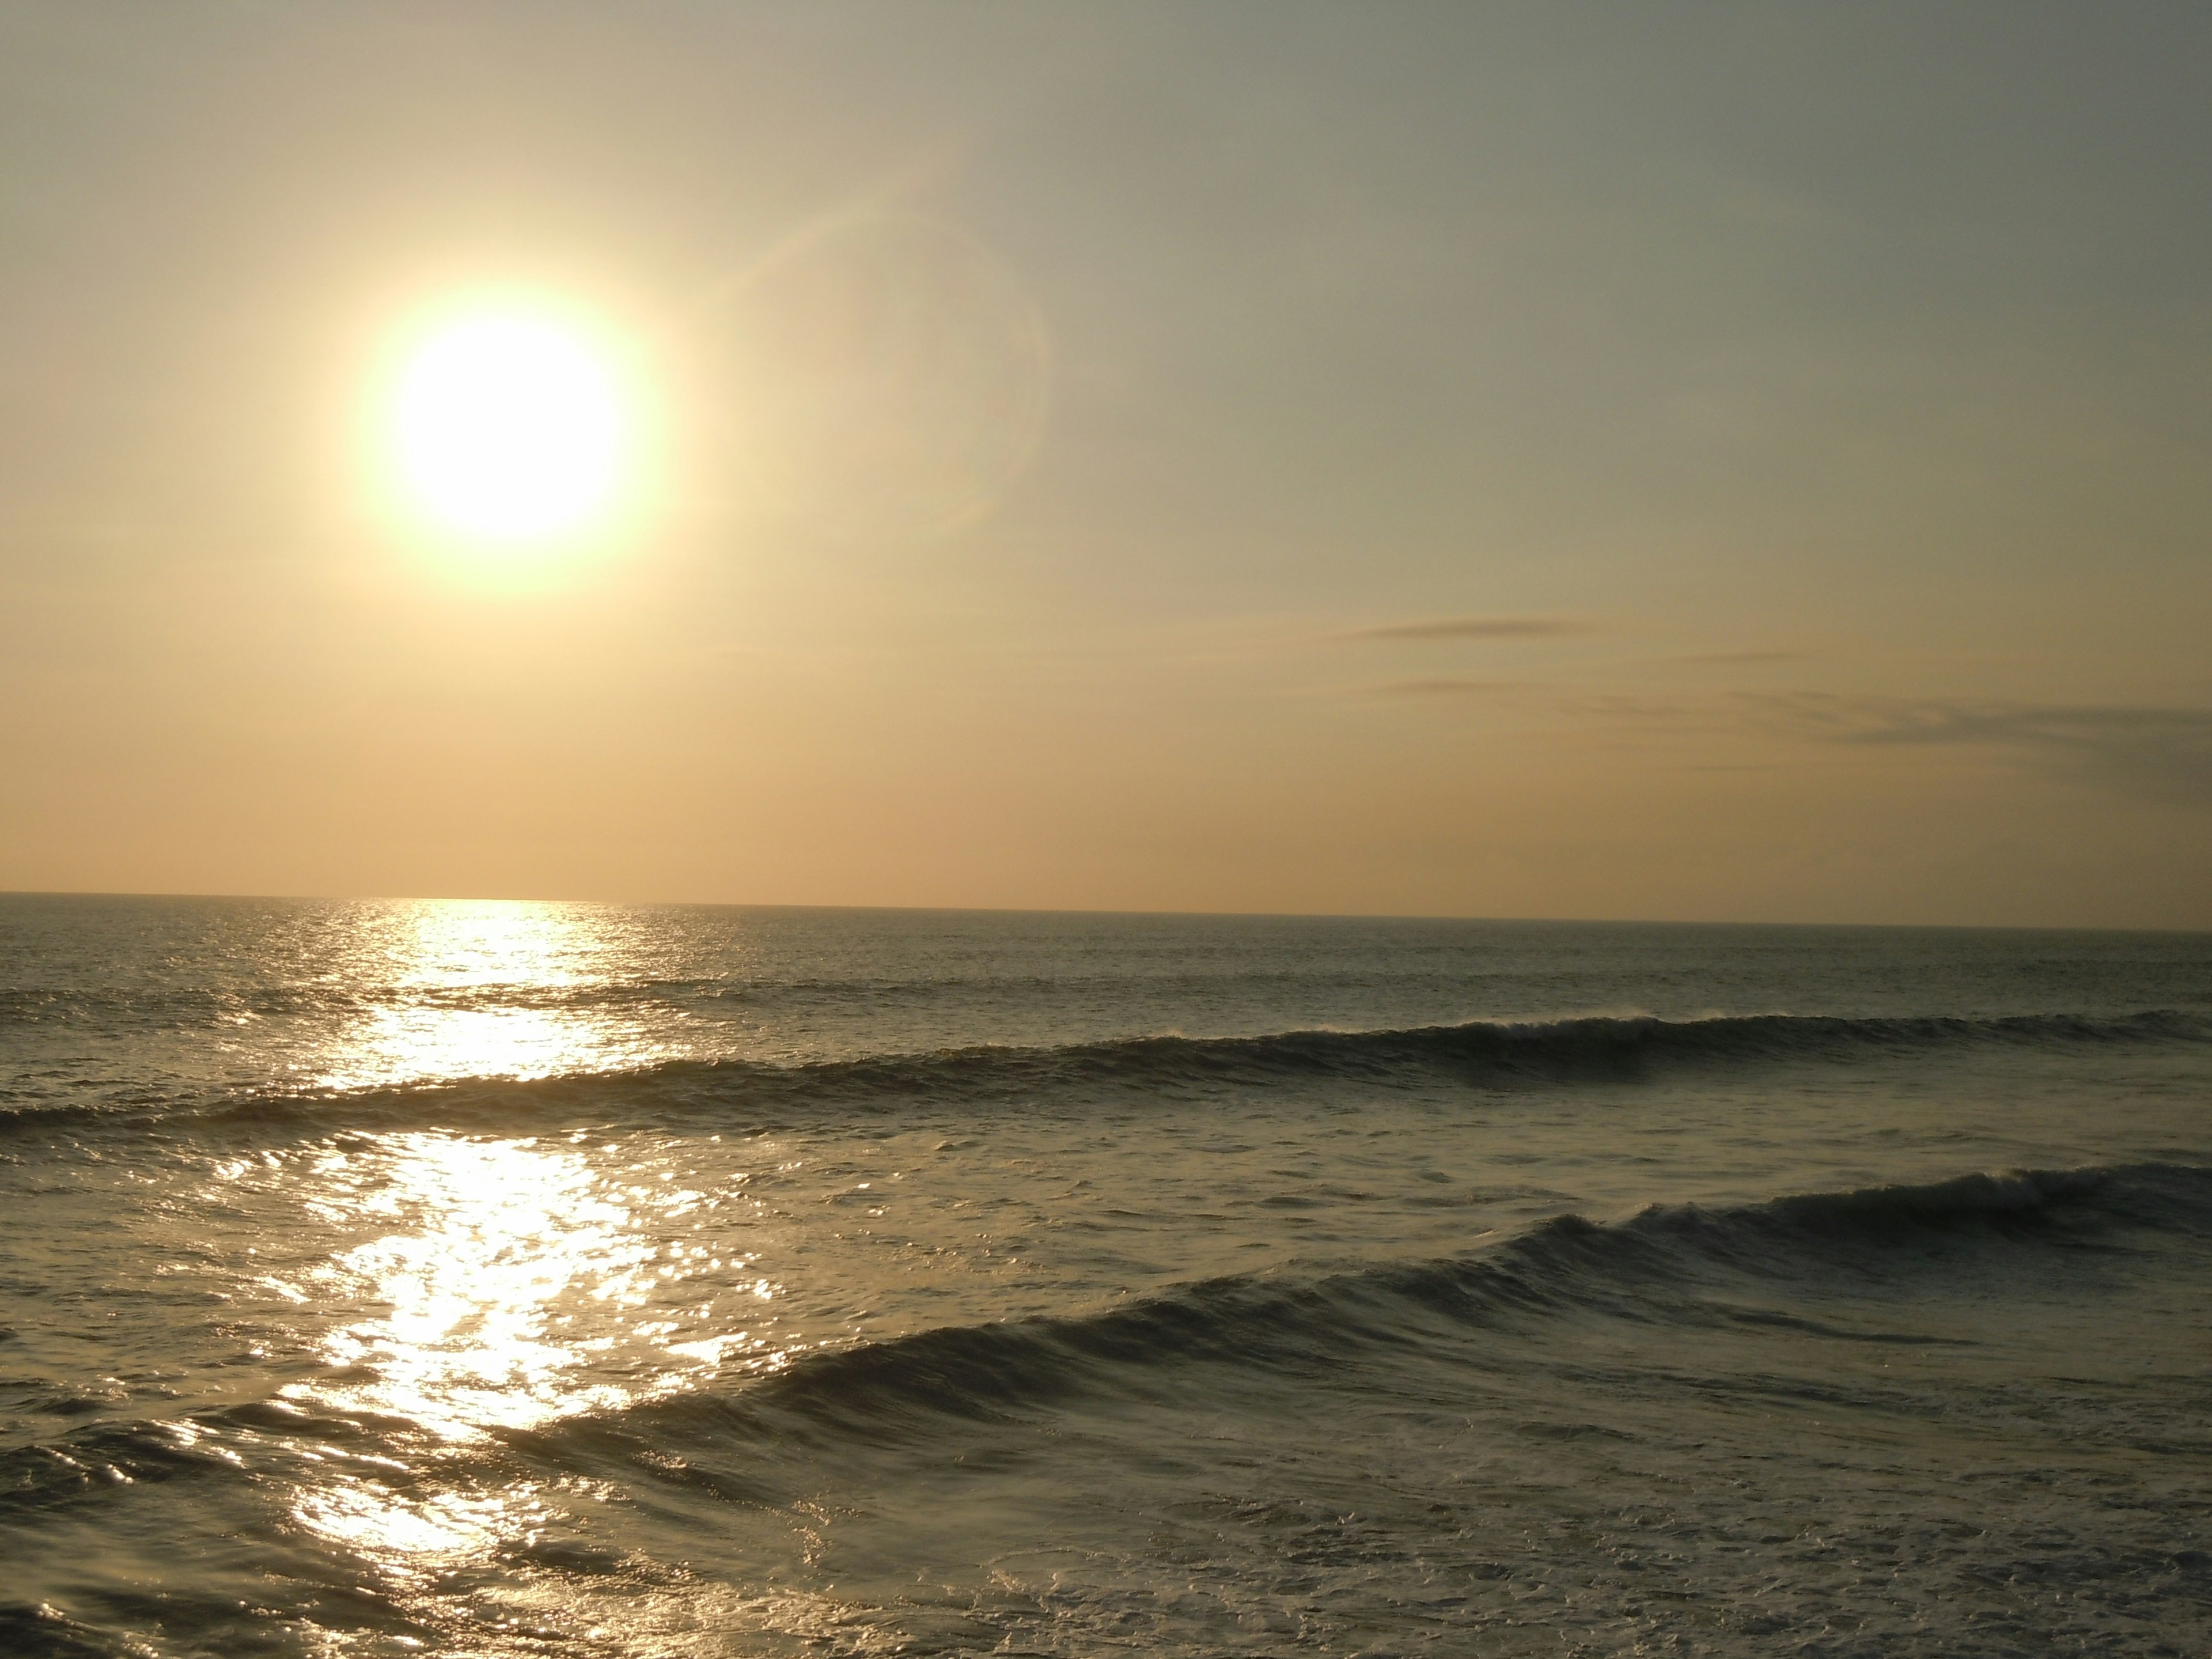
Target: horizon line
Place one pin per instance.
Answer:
(1131, 912)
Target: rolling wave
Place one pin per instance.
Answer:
(1686, 1267)
(1649, 1268)
(1493, 1051)
(1482, 1054)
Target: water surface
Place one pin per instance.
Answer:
(509, 1279)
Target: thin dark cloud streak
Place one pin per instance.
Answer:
(1733, 658)
(1448, 686)
(1475, 628)
(2156, 752)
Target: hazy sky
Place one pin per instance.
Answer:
(1736, 462)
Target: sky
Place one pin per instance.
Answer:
(1706, 462)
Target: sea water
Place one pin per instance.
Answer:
(505, 1278)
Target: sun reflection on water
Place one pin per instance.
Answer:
(476, 1286)
(491, 989)
(501, 1285)
(487, 1318)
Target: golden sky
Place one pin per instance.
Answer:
(1734, 462)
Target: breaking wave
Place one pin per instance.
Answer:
(1652, 1267)
(1480, 1054)
(1788, 1263)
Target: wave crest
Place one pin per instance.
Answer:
(1482, 1054)
(1651, 1268)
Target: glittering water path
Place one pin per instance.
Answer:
(472, 1279)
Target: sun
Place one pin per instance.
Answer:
(509, 426)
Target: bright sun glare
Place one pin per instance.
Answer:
(509, 426)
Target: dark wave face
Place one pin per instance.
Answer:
(391, 1279)
(1681, 1266)
(1662, 1266)
(1481, 1054)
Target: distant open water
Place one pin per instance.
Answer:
(391, 1279)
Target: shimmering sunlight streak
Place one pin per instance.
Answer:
(482, 1297)
(489, 989)
(490, 1284)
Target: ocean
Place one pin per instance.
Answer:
(512, 1278)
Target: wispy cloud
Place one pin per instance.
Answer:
(1448, 686)
(1475, 628)
(2163, 753)
(1719, 659)
(2151, 752)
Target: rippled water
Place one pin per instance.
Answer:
(507, 1279)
